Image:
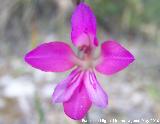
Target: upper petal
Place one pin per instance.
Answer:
(53, 57)
(114, 58)
(83, 24)
(66, 88)
(96, 94)
(79, 104)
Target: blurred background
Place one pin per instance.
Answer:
(25, 93)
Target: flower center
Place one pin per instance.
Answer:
(87, 64)
(87, 57)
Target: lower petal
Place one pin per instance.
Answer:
(65, 89)
(79, 104)
(96, 94)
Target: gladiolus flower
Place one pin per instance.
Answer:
(81, 88)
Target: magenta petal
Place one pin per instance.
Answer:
(53, 57)
(66, 88)
(83, 24)
(114, 58)
(96, 94)
(79, 104)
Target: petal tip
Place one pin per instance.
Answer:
(83, 4)
(27, 58)
(73, 117)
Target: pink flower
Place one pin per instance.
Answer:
(81, 88)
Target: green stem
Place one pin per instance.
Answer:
(39, 109)
(78, 1)
(87, 118)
